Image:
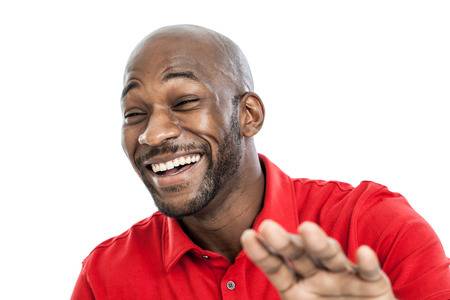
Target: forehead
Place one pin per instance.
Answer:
(157, 56)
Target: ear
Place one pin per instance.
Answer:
(251, 114)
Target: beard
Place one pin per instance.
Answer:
(228, 161)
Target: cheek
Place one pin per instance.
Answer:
(210, 119)
(211, 126)
(129, 142)
(208, 124)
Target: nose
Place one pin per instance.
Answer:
(161, 127)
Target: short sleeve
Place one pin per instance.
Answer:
(409, 250)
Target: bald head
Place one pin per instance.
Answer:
(211, 53)
(188, 90)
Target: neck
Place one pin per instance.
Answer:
(218, 226)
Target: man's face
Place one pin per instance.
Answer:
(181, 129)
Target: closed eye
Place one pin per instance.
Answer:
(133, 114)
(186, 104)
(134, 117)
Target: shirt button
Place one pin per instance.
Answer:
(231, 285)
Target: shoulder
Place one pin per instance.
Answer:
(364, 188)
(143, 234)
(368, 213)
(353, 214)
(332, 199)
(368, 205)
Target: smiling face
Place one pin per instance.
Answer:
(181, 127)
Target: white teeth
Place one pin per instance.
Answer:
(180, 161)
(155, 167)
(176, 162)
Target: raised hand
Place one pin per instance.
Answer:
(311, 265)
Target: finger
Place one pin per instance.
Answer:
(324, 250)
(273, 266)
(289, 246)
(277, 239)
(344, 286)
(368, 265)
(333, 258)
(302, 264)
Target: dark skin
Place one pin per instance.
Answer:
(179, 85)
(219, 225)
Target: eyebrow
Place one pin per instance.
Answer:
(183, 74)
(128, 87)
(166, 77)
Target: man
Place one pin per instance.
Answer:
(231, 225)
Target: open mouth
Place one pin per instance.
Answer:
(175, 166)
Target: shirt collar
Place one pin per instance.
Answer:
(279, 199)
(175, 243)
(279, 205)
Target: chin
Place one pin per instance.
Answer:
(176, 200)
(180, 209)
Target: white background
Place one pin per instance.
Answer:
(353, 90)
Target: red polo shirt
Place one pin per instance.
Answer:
(155, 259)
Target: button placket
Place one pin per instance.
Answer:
(232, 285)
